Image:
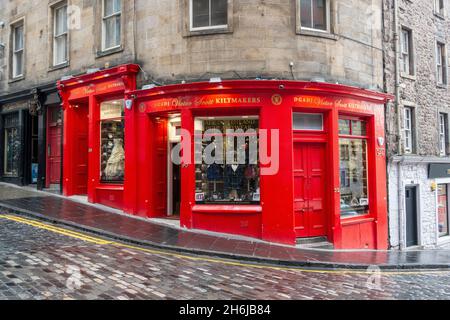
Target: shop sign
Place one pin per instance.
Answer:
(181, 102)
(111, 110)
(439, 170)
(14, 106)
(313, 101)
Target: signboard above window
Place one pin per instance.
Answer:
(111, 110)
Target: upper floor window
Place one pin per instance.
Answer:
(315, 14)
(18, 47)
(408, 129)
(443, 134)
(441, 63)
(439, 7)
(208, 14)
(112, 24)
(60, 35)
(407, 63)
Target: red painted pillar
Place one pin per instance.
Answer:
(131, 162)
(187, 174)
(93, 150)
(335, 206)
(68, 139)
(277, 190)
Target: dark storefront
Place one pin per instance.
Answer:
(30, 138)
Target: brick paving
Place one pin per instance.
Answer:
(86, 217)
(42, 265)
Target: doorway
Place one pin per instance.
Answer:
(54, 154)
(174, 170)
(309, 189)
(412, 237)
(80, 150)
(176, 188)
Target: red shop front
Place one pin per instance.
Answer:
(320, 169)
(94, 129)
(303, 159)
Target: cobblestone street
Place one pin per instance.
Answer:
(39, 264)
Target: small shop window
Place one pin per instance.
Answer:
(443, 212)
(12, 145)
(112, 155)
(308, 121)
(233, 175)
(353, 168)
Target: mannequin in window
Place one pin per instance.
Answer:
(116, 163)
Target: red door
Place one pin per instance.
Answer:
(54, 138)
(81, 150)
(309, 190)
(159, 177)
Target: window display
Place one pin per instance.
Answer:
(12, 145)
(353, 168)
(112, 127)
(443, 220)
(227, 182)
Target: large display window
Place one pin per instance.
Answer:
(353, 167)
(112, 131)
(12, 145)
(227, 167)
(443, 213)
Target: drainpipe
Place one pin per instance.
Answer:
(399, 127)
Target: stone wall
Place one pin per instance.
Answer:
(420, 91)
(262, 40)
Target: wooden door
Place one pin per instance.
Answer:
(309, 190)
(54, 139)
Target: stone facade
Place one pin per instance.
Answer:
(421, 92)
(262, 39)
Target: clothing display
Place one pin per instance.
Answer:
(115, 167)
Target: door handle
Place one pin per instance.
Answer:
(49, 150)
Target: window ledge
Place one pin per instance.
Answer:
(408, 76)
(59, 66)
(439, 15)
(441, 85)
(17, 79)
(318, 34)
(101, 54)
(205, 32)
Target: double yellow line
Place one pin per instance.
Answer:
(65, 232)
(99, 241)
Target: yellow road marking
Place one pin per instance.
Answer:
(58, 230)
(99, 241)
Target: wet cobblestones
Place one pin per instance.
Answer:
(39, 264)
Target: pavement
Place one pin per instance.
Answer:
(96, 221)
(41, 262)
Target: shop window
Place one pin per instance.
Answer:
(443, 213)
(227, 168)
(112, 126)
(17, 50)
(12, 145)
(308, 121)
(208, 14)
(314, 15)
(353, 168)
(112, 24)
(60, 34)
